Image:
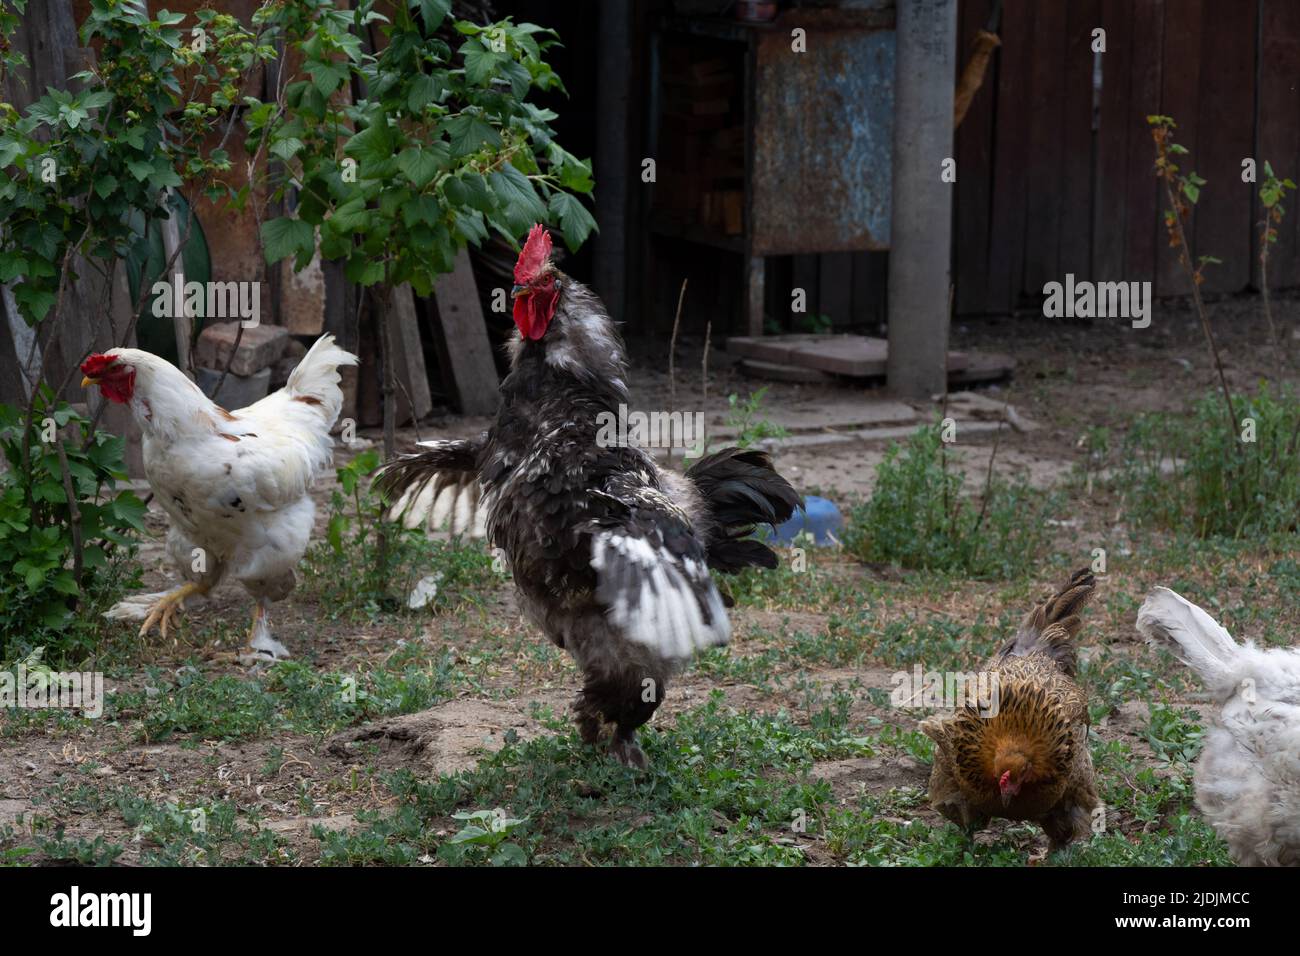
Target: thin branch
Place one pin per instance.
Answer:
(672, 359)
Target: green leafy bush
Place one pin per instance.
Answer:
(370, 564)
(443, 148)
(89, 171)
(918, 517)
(41, 602)
(1189, 473)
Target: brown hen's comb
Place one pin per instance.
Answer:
(534, 255)
(97, 364)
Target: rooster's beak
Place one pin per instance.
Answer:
(87, 380)
(517, 291)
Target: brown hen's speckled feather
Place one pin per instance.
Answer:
(1041, 721)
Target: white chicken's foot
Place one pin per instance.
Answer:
(262, 645)
(158, 608)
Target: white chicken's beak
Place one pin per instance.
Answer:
(87, 380)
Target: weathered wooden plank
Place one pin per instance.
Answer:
(1115, 126)
(1042, 166)
(1011, 144)
(1077, 139)
(1144, 241)
(871, 288)
(974, 155)
(1279, 134)
(408, 355)
(805, 275)
(1227, 122)
(471, 372)
(837, 287)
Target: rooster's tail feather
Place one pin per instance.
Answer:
(1168, 619)
(742, 489)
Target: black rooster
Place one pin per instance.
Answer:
(611, 553)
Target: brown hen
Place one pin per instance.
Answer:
(1028, 759)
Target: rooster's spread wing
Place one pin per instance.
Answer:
(438, 486)
(652, 574)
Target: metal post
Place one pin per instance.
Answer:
(921, 219)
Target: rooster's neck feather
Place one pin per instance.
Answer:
(581, 344)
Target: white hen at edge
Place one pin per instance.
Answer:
(1248, 775)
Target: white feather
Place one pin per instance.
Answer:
(1248, 775)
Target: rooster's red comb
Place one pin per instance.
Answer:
(534, 256)
(95, 365)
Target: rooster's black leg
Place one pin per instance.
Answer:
(626, 699)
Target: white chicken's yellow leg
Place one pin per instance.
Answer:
(162, 611)
(260, 647)
(259, 617)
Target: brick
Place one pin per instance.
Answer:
(238, 391)
(261, 346)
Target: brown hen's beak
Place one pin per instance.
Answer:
(87, 380)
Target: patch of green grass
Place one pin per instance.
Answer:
(728, 788)
(366, 567)
(884, 831)
(177, 833)
(1190, 473)
(290, 696)
(919, 517)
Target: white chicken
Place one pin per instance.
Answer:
(236, 485)
(1248, 775)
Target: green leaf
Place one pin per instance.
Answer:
(424, 90)
(467, 133)
(373, 145)
(1191, 191)
(352, 216)
(334, 533)
(575, 222)
(421, 209)
(363, 270)
(129, 510)
(421, 165)
(106, 185)
(286, 237)
(481, 64)
(12, 265)
(33, 302)
(517, 199)
(64, 583)
(509, 854)
(287, 148)
(433, 12)
(328, 77)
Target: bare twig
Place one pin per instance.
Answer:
(704, 366)
(672, 358)
(74, 513)
(1278, 355)
(239, 334)
(1165, 171)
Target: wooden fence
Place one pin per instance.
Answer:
(1055, 158)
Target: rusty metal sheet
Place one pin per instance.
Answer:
(823, 139)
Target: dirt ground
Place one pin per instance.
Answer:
(61, 779)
